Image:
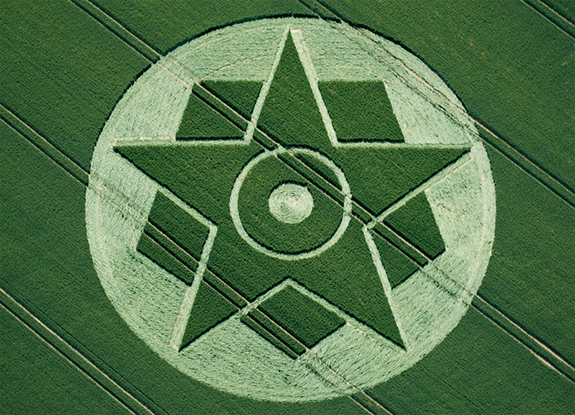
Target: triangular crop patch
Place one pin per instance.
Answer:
(308, 321)
(202, 121)
(290, 113)
(379, 176)
(240, 95)
(397, 265)
(209, 309)
(416, 223)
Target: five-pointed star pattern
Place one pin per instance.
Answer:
(202, 165)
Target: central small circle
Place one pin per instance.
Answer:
(291, 203)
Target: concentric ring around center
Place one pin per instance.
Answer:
(284, 214)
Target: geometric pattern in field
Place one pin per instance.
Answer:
(348, 136)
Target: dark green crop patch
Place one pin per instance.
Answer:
(239, 95)
(360, 111)
(210, 308)
(185, 230)
(415, 221)
(201, 121)
(290, 109)
(301, 316)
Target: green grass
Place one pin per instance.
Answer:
(172, 238)
(35, 378)
(46, 265)
(566, 8)
(415, 222)
(313, 173)
(224, 289)
(360, 111)
(179, 253)
(263, 140)
(251, 275)
(477, 369)
(54, 81)
(195, 184)
(560, 12)
(310, 324)
(317, 166)
(346, 276)
(349, 260)
(400, 244)
(530, 273)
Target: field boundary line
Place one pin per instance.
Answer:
(56, 155)
(128, 215)
(571, 22)
(511, 152)
(61, 159)
(544, 183)
(522, 336)
(552, 15)
(112, 25)
(72, 355)
(526, 165)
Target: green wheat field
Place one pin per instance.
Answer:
(64, 349)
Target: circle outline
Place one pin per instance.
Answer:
(346, 216)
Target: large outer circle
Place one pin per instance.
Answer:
(231, 357)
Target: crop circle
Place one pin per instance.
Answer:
(291, 203)
(231, 356)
